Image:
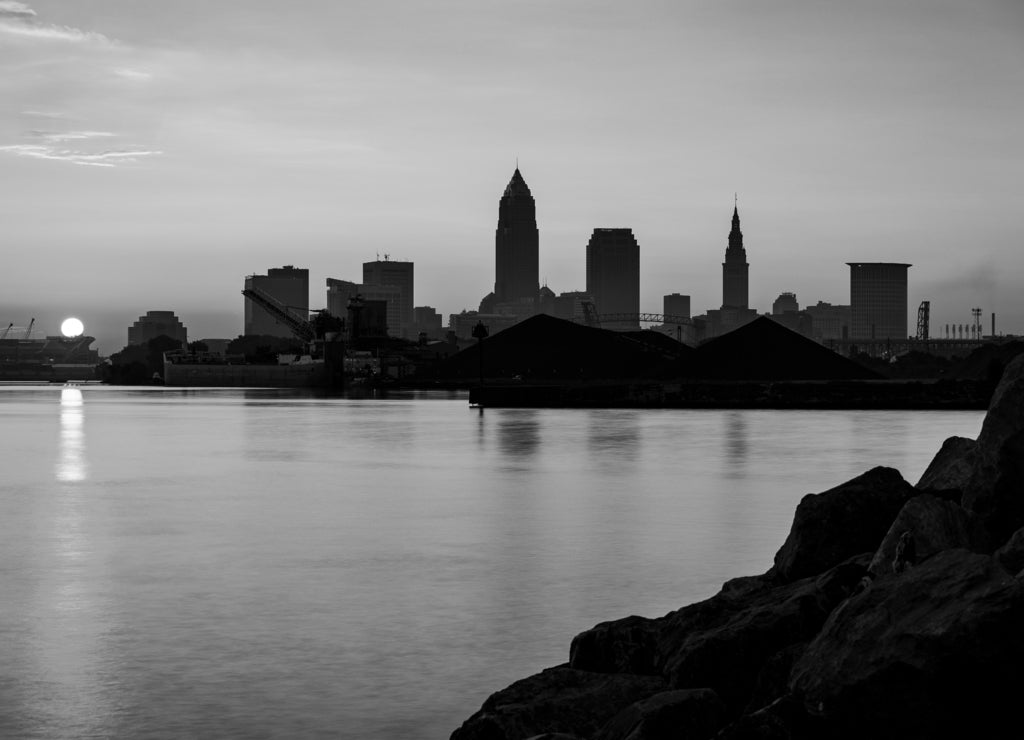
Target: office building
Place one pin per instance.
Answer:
(427, 320)
(289, 286)
(878, 300)
(569, 305)
(516, 249)
(676, 305)
(613, 277)
(400, 275)
(785, 303)
(155, 324)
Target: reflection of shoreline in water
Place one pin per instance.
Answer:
(71, 461)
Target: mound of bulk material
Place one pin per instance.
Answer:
(766, 350)
(891, 611)
(545, 348)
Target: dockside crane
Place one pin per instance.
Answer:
(304, 330)
(4, 335)
(28, 331)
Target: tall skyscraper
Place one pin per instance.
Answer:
(675, 304)
(383, 273)
(613, 275)
(878, 300)
(289, 286)
(516, 247)
(735, 268)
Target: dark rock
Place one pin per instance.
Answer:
(783, 719)
(557, 700)
(846, 520)
(728, 653)
(773, 680)
(694, 714)
(934, 652)
(1011, 555)
(555, 736)
(934, 525)
(622, 646)
(951, 467)
(995, 491)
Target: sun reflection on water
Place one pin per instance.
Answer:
(71, 466)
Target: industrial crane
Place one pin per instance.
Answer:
(28, 331)
(304, 330)
(4, 335)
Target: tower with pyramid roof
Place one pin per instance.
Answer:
(516, 268)
(735, 270)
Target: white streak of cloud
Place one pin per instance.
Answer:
(70, 135)
(18, 19)
(98, 159)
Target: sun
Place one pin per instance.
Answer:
(72, 327)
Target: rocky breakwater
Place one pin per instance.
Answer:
(891, 611)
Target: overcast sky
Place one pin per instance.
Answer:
(154, 153)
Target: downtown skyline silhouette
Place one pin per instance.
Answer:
(153, 157)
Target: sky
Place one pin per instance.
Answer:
(154, 153)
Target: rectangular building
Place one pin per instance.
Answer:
(613, 277)
(400, 275)
(289, 286)
(878, 300)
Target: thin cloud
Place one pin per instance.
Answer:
(110, 158)
(9, 9)
(18, 19)
(70, 135)
(135, 75)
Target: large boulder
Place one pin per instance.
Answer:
(995, 491)
(936, 651)
(846, 520)
(557, 700)
(1011, 555)
(621, 646)
(951, 467)
(694, 714)
(933, 525)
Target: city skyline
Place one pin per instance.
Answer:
(246, 138)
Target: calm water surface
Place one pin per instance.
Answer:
(261, 564)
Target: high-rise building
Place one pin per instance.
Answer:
(289, 286)
(878, 300)
(613, 276)
(516, 247)
(155, 324)
(398, 274)
(426, 320)
(569, 305)
(735, 270)
(676, 305)
(391, 297)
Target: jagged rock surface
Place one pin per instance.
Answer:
(1011, 555)
(934, 524)
(557, 700)
(695, 714)
(936, 650)
(846, 520)
(995, 491)
(951, 467)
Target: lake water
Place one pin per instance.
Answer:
(230, 563)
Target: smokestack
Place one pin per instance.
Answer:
(993, 324)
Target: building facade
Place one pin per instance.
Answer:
(339, 293)
(735, 269)
(155, 324)
(829, 322)
(878, 300)
(676, 305)
(516, 248)
(399, 274)
(613, 276)
(289, 286)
